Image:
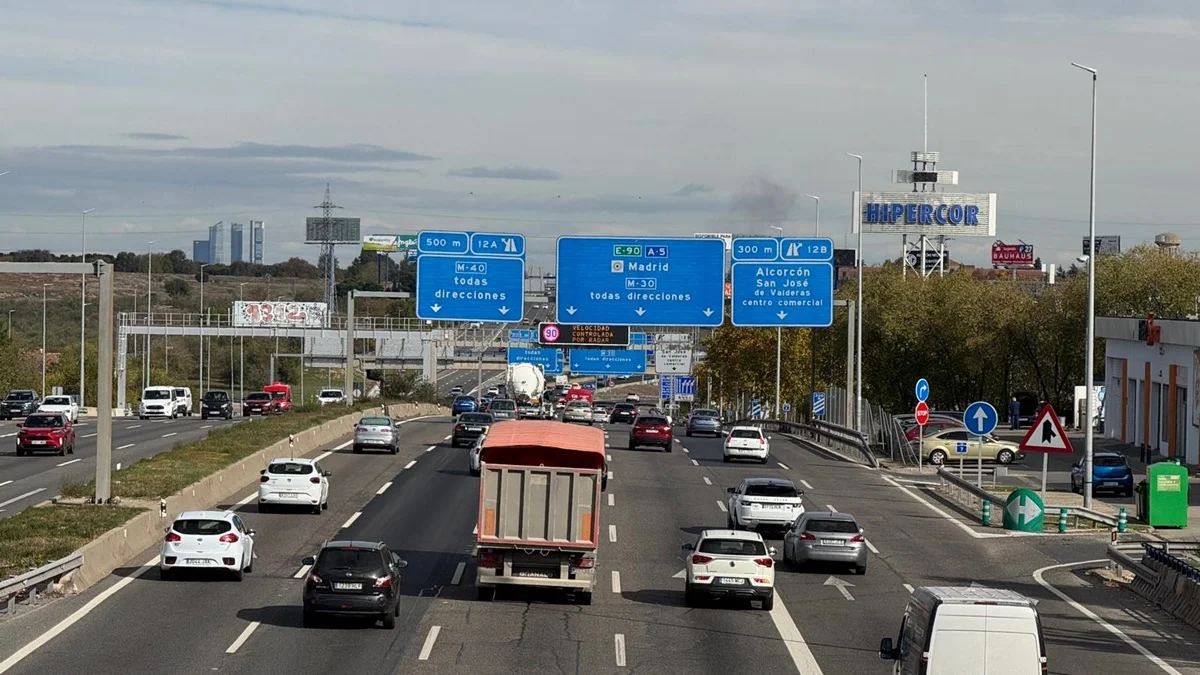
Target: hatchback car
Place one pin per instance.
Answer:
(330, 396)
(578, 411)
(353, 579)
(961, 443)
(823, 536)
(60, 404)
(632, 398)
(1110, 472)
(764, 503)
(207, 540)
(624, 413)
(729, 564)
(503, 409)
(470, 426)
(463, 404)
(651, 430)
(258, 402)
(474, 460)
(746, 443)
(601, 412)
(704, 421)
(46, 432)
(216, 404)
(377, 432)
(293, 482)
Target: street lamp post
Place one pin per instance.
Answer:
(778, 348)
(202, 329)
(241, 352)
(44, 338)
(82, 300)
(1090, 366)
(149, 287)
(859, 319)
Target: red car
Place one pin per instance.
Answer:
(651, 429)
(259, 402)
(932, 426)
(46, 431)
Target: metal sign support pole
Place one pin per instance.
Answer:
(1045, 468)
(921, 449)
(979, 478)
(349, 378)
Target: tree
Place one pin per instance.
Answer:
(177, 288)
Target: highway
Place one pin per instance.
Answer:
(422, 502)
(24, 481)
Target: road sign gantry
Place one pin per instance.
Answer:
(470, 276)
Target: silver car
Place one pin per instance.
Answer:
(377, 432)
(600, 413)
(578, 411)
(503, 409)
(822, 536)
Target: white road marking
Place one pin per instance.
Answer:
(829, 508)
(611, 499)
(610, 475)
(1037, 576)
(721, 505)
(806, 484)
(802, 656)
(70, 461)
(19, 498)
(446, 438)
(74, 618)
(942, 513)
(5, 483)
(242, 638)
(351, 519)
(134, 426)
(609, 457)
(322, 456)
(384, 488)
(871, 546)
(475, 531)
(88, 435)
(246, 500)
(173, 433)
(695, 463)
(619, 641)
(707, 481)
(783, 466)
(410, 464)
(206, 426)
(908, 587)
(612, 533)
(458, 574)
(427, 648)
(616, 581)
(303, 570)
(430, 448)
(9, 435)
(687, 451)
(127, 445)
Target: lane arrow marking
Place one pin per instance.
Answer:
(841, 586)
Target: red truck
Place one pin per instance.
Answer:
(578, 394)
(282, 395)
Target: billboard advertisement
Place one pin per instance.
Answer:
(1105, 245)
(929, 213)
(1012, 255)
(279, 314)
(321, 230)
(383, 243)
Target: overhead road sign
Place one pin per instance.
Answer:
(685, 389)
(921, 413)
(1047, 435)
(980, 418)
(637, 339)
(582, 334)
(279, 314)
(922, 390)
(320, 230)
(522, 335)
(925, 213)
(551, 360)
(632, 281)
(789, 282)
(607, 361)
(666, 387)
(673, 357)
(470, 276)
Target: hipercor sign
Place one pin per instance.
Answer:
(1012, 255)
(927, 213)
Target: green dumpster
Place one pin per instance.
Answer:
(1163, 496)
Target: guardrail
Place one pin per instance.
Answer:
(1161, 577)
(958, 482)
(27, 585)
(840, 439)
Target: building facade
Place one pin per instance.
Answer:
(236, 242)
(256, 242)
(200, 250)
(216, 244)
(1152, 376)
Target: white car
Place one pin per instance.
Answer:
(456, 390)
(729, 564)
(746, 443)
(65, 405)
(293, 482)
(329, 396)
(633, 398)
(493, 391)
(183, 401)
(764, 503)
(578, 411)
(207, 540)
(158, 402)
(476, 467)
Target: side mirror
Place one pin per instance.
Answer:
(731, 490)
(771, 551)
(887, 652)
(401, 564)
(167, 530)
(262, 472)
(688, 547)
(251, 532)
(861, 531)
(327, 474)
(309, 561)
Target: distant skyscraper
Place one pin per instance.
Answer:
(256, 242)
(200, 250)
(235, 243)
(216, 244)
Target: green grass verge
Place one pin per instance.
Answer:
(169, 472)
(39, 536)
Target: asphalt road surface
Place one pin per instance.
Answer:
(422, 502)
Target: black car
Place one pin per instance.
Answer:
(353, 579)
(216, 404)
(624, 413)
(470, 426)
(19, 403)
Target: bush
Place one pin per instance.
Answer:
(409, 387)
(177, 288)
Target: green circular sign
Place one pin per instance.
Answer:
(1023, 511)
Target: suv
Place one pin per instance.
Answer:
(651, 430)
(729, 564)
(353, 578)
(764, 502)
(183, 401)
(19, 403)
(216, 404)
(46, 431)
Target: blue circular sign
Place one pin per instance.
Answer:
(922, 390)
(980, 418)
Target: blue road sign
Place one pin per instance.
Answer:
(522, 335)
(608, 361)
(666, 385)
(980, 418)
(470, 276)
(630, 281)
(755, 249)
(438, 241)
(922, 390)
(549, 358)
(960, 448)
(686, 385)
(787, 407)
(787, 294)
(811, 249)
(818, 403)
(756, 410)
(490, 243)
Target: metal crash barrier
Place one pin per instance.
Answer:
(27, 586)
(824, 436)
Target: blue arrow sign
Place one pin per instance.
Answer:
(488, 243)
(468, 287)
(980, 418)
(922, 390)
(550, 359)
(788, 294)
(687, 385)
(794, 249)
(631, 281)
(608, 361)
(755, 249)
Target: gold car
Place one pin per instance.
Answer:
(959, 443)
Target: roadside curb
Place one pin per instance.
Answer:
(111, 550)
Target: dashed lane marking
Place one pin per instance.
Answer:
(351, 519)
(707, 481)
(127, 445)
(410, 464)
(458, 574)
(612, 533)
(71, 461)
(619, 643)
(721, 505)
(611, 500)
(806, 484)
(783, 466)
(303, 570)
(908, 587)
(427, 648)
(384, 488)
(616, 582)
(871, 546)
(241, 640)
(695, 463)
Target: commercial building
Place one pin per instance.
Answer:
(216, 244)
(200, 250)
(1152, 376)
(256, 242)
(236, 242)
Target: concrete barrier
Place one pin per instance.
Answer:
(119, 546)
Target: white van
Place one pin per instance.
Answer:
(183, 401)
(956, 630)
(158, 402)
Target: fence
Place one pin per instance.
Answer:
(883, 431)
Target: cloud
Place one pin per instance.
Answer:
(691, 189)
(762, 203)
(154, 136)
(353, 153)
(506, 172)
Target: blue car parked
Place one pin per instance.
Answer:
(1110, 472)
(463, 404)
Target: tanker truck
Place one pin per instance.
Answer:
(525, 380)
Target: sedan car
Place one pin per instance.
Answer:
(353, 579)
(704, 421)
(632, 398)
(377, 432)
(729, 564)
(823, 536)
(207, 540)
(463, 404)
(1110, 471)
(624, 413)
(960, 443)
(933, 425)
(469, 428)
(294, 481)
(764, 503)
(259, 402)
(601, 412)
(578, 411)
(746, 443)
(651, 430)
(60, 404)
(503, 409)
(529, 411)
(46, 432)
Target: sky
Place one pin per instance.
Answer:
(623, 117)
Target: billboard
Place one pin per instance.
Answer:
(321, 230)
(726, 237)
(384, 243)
(1012, 255)
(279, 314)
(1105, 245)
(929, 213)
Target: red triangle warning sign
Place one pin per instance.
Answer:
(1047, 434)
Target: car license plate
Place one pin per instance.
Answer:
(474, 428)
(197, 561)
(832, 542)
(345, 586)
(38, 442)
(733, 581)
(532, 573)
(1112, 483)
(772, 507)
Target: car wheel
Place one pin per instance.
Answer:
(166, 574)
(203, 417)
(20, 452)
(325, 506)
(689, 598)
(726, 458)
(310, 619)
(689, 433)
(768, 603)
(763, 460)
(1005, 456)
(583, 598)
(729, 524)
(486, 593)
(389, 621)
(668, 447)
(316, 509)
(71, 449)
(62, 452)
(394, 449)
(860, 570)
(632, 446)
(937, 457)
(358, 449)
(238, 575)
(250, 568)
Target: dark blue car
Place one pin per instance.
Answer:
(463, 404)
(1110, 473)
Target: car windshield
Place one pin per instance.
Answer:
(1101, 460)
(180, 393)
(706, 413)
(771, 490)
(375, 422)
(202, 527)
(475, 418)
(746, 433)
(503, 404)
(349, 560)
(330, 393)
(43, 421)
(57, 400)
(258, 396)
(578, 404)
(216, 397)
(733, 547)
(290, 468)
(624, 407)
(279, 395)
(19, 396)
(644, 421)
(835, 526)
(464, 399)
(156, 395)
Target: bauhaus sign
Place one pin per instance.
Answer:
(927, 213)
